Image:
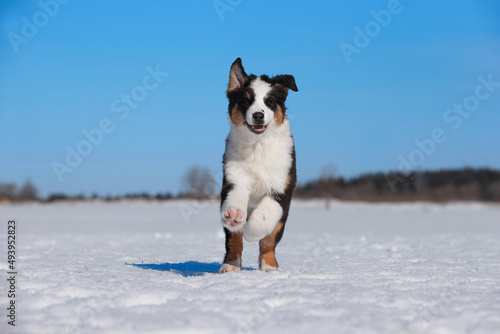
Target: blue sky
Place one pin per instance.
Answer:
(361, 115)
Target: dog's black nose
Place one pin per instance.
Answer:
(258, 117)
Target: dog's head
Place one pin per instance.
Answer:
(257, 102)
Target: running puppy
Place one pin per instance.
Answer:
(258, 164)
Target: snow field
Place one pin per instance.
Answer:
(150, 267)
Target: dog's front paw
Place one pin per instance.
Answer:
(226, 267)
(233, 218)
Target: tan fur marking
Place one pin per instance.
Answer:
(236, 116)
(269, 259)
(235, 247)
(278, 115)
(267, 246)
(287, 182)
(248, 96)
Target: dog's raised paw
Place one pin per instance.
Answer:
(232, 217)
(226, 267)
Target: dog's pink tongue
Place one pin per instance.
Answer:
(258, 127)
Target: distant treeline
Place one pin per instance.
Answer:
(437, 186)
(11, 192)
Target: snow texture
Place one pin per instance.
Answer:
(150, 267)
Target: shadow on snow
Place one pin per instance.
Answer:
(189, 268)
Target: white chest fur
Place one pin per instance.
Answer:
(259, 163)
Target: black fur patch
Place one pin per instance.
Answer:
(226, 185)
(285, 198)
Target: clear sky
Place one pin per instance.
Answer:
(369, 84)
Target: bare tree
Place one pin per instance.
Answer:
(328, 181)
(199, 182)
(8, 190)
(28, 191)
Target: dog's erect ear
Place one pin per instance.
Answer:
(237, 76)
(286, 80)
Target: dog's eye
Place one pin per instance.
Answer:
(246, 103)
(270, 103)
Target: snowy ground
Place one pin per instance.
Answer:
(137, 267)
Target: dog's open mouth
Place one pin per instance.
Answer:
(258, 129)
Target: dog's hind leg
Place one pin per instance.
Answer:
(234, 249)
(267, 246)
